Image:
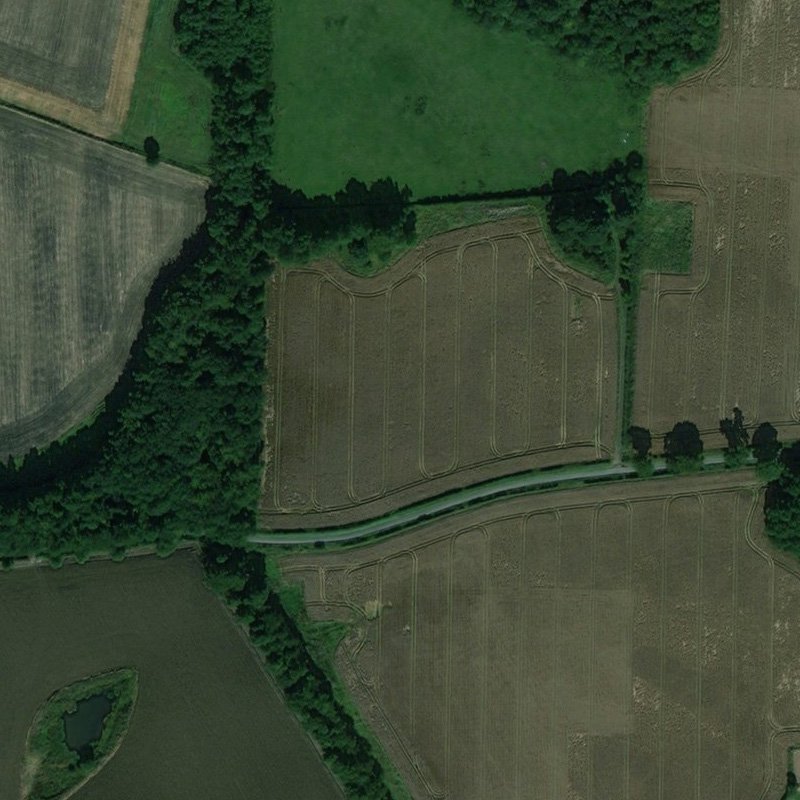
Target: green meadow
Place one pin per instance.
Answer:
(417, 90)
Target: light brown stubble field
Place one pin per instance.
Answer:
(626, 642)
(726, 138)
(72, 60)
(85, 227)
(476, 355)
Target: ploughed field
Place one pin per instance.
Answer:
(629, 641)
(73, 60)
(726, 138)
(207, 724)
(476, 355)
(86, 228)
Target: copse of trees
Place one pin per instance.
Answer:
(590, 213)
(683, 447)
(355, 213)
(647, 41)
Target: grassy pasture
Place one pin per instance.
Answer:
(207, 725)
(171, 99)
(602, 642)
(417, 90)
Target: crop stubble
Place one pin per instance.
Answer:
(72, 60)
(207, 723)
(86, 227)
(625, 642)
(726, 139)
(475, 355)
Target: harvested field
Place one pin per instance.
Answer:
(726, 139)
(207, 725)
(72, 60)
(85, 228)
(476, 355)
(627, 641)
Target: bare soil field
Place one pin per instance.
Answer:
(475, 355)
(629, 641)
(85, 228)
(72, 60)
(726, 139)
(207, 725)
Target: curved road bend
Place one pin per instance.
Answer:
(440, 506)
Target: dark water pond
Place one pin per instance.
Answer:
(84, 725)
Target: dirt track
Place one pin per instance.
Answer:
(726, 139)
(476, 355)
(72, 60)
(622, 642)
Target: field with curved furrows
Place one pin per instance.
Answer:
(72, 60)
(627, 641)
(476, 355)
(726, 139)
(87, 227)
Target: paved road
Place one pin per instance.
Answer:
(482, 492)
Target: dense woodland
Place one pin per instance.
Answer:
(647, 41)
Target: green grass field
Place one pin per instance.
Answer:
(171, 99)
(417, 90)
(667, 245)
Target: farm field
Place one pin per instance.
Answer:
(419, 91)
(475, 355)
(82, 249)
(171, 99)
(626, 641)
(207, 725)
(72, 60)
(728, 333)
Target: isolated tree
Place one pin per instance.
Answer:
(641, 441)
(765, 443)
(683, 444)
(738, 439)
(152, 149)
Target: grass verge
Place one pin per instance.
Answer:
(171, 99)
(51, 767)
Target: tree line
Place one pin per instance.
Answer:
(647, 41)
(240, 577)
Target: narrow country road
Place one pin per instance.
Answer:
(479, 493)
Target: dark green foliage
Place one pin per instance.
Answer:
(765, 443)
(151, 149)
(590, 213)
(737, 437)
(648, 41)
(683, 447)
(240, 577)
(640, 441)
(357, 210)
(782, 500)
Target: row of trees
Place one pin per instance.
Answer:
(683, 445)
(240, 577)
(647, 41)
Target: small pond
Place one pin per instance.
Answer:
(84, 725)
